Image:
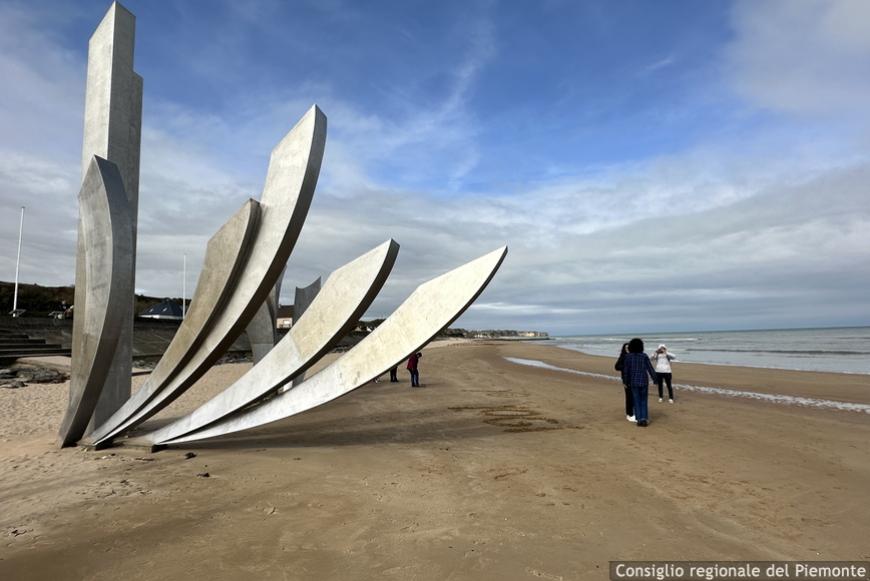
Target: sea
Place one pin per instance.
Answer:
(839, 350)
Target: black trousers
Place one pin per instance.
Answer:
(629, 401)
(393, 377)
(665, 378)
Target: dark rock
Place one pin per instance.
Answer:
(44, 375)
(189, 455)
(145, 363)
(30, 374)
(204, 475)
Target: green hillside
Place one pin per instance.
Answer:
(40, 300)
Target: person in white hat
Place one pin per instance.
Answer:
(662, 361)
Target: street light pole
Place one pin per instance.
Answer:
(184, 290)
(17, 265)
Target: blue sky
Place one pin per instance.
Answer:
(652, 165)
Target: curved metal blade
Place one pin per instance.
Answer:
(102, 290)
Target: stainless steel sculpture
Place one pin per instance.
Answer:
(112, 129)
(262, 331)
(347, 294)
(240, 278)
(303, 298)
(103, 289)
(301, 301)
(431, 308)
(290, 182)
(225, 254)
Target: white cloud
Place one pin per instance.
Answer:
(659, 64)
(42, 99)
(525, 310)
(766, 230)
(809, 57)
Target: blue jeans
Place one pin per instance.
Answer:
(640, 394)
(415, 378)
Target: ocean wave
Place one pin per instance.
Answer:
(600, 339)
(746, 363)
(784, 351)
(768, 397)
(627, 338)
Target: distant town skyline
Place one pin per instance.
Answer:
(671, 166)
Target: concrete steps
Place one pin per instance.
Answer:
(15, 342)
(28, 352)
(15, 345)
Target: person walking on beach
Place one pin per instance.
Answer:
(394, 378)
(629, 399)
(413, 362)
(662, 360)
(636, 367)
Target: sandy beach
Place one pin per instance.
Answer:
(493, 471)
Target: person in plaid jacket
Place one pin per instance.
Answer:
(637, 369)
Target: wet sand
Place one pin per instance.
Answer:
(492, 471)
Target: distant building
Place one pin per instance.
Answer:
(534, 334)
(363, 327)
(508, 334)
(166, 310)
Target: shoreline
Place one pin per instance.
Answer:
(767, 397)
(742, 365)
(834, 350)
(826, 385)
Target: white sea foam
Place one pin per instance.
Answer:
(768, 397)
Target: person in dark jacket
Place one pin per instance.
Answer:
(413, 361)
(637, 369)
(629, 398)
(394, 378)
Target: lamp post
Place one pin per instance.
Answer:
(17, 265)
(184, 289)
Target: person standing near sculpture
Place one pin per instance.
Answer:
(413, 363)
(637, 368)
(662, 361)
(394, 370)
(629, 399)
